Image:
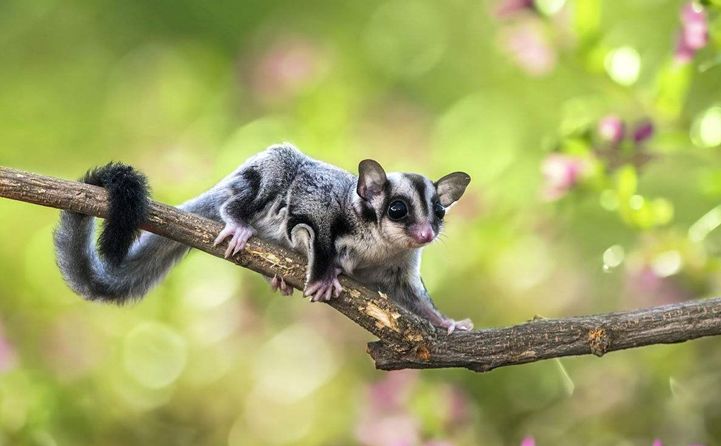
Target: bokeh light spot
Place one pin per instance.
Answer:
(293, 364)
(613, 257)
(662, 211)
(667, 263)
(131, 394)
(549, 7)
(206, 284)
(154, 354)
(525, 264)
(609, 200)
(623, 65)
(214, 325)
(706, 128)
(273, 422)
(636, 202)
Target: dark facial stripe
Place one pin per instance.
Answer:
(368, 213)
(419, 183)
(386, 200)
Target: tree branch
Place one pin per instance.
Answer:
(405, 340)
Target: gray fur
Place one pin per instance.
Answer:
(148, 261)
(300, 203)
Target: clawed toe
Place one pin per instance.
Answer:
(278, 284)
(452, 325)
(464, 325)
(323, 290)
(240, 235)
(286, 290)
(225, 233)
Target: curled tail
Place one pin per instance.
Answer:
(128, 207)
(121, 268)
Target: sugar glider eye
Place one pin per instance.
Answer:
(439, 210)
(397, 210)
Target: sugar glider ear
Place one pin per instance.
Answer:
(451, 187)
(371, 179)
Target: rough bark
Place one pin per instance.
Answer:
(405, 340)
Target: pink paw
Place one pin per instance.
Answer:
(240, 234)
(453, 325)
(323, 289)
(278, 284)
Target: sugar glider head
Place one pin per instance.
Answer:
(407, 208)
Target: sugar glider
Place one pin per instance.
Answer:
(371, 227)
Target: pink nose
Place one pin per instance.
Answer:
(422, 233)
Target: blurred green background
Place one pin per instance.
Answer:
(591, 130)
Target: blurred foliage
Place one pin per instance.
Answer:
(591, 130)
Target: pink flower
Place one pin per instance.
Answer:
(392, 391)
(611, 129)
(645, 287)
(395, 430)
(384, 421)
(8, 357)
(643, 131)
(694, 32)
(658, 442)
(287, 67)
(529, 47)
(561, 173)
(510, 7)
(692, 13)
(458, 410)
(528, 441)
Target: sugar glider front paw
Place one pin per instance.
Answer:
(240, 233)
(452, 325)
(323, 289)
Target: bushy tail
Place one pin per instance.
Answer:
(121, 268)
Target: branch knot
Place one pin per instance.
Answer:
(599, 341)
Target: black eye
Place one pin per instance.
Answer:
(439, 210)
(397, 210)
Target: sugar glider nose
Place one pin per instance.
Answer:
(422, 233)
